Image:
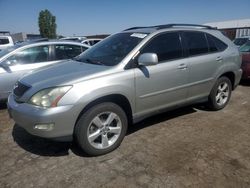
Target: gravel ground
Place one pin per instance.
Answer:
(188, 147)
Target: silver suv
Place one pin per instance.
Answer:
(126, 77)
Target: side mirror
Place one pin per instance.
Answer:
(5, 66)
(148, 59)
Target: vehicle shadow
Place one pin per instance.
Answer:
(39, 146)
(44, 147)
(3, 105)
(245, 83)
(165, 116)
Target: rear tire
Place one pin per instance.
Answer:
(220, 94)
(101, 129)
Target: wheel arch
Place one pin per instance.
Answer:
(231, 76)
(118, 99)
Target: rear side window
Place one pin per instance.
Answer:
(167, 46)
(196, 43)
(4, 41)
(67, 51)
(215, 44)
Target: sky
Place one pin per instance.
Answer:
(80, 17)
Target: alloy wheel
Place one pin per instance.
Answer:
(104, 130)
(222, 94)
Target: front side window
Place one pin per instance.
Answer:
(167, 46)
(30, 55)
(111, 51)
(196, 43)
(63, 51)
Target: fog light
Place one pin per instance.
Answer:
(45, 127)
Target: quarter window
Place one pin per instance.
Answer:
(167, 46)
(215, 44)
(67, 51)
(30, 55)
(196, 43)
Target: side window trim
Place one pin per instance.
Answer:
(52, 52)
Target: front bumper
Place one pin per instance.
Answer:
(27, 116)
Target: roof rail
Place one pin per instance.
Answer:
(171, 25)
(38, 40)
(185, 25)
(132, 28)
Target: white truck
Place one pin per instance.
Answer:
(5, 41)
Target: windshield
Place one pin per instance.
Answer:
(245, 47)
(112, 50)
(240, 41)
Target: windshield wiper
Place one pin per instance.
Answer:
(92, 62)
(87, 61)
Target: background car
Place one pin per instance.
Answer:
(22, 58)
(5, 42)
(245, 51)
(241, 40)
(91, 41)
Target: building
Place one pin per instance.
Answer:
(233, 28)
(4, 33)
(19, 37)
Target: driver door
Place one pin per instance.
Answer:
(165, 84)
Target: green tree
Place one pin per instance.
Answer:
(47, 24)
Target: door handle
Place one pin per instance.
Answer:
(219, 59)
(182, 66)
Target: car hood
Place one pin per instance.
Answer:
(66, 72)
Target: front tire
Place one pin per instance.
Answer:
(220, 94)
(101, 129)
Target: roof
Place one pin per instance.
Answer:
(231, 24)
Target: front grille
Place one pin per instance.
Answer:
(20, 89)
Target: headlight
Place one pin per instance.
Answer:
(49, 97)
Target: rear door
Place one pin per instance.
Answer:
(203, 62)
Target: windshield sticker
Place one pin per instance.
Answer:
(139, 35)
